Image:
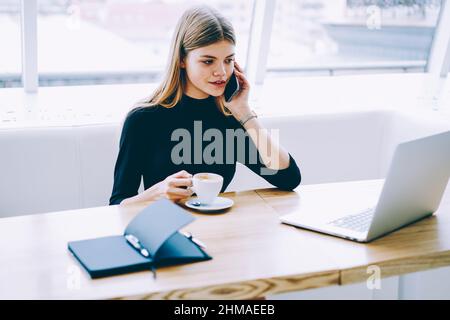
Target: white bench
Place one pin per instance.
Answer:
(52, 169)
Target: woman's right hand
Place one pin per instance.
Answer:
(170, 188)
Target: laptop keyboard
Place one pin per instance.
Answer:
(358, 222)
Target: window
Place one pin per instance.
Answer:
(323, 34)
(10, 54)
(127, 41)
(106, 41)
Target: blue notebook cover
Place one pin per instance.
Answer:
(156, 227)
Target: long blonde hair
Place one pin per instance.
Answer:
(198, 27)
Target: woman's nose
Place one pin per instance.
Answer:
(220, 71)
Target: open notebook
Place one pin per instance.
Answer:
(150, 240)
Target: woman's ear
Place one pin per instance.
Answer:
(182, 64)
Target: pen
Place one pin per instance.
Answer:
(137, 245)
(195, 240)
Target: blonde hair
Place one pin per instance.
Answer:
(198, 27)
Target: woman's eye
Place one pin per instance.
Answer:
(208, 62)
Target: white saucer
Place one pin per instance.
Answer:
(219, 203)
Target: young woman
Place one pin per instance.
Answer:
(189, 103)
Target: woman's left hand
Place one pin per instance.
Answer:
(239, 106)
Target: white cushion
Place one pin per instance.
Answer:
(98, 147)
(409, 126)
(40, 171)
(327, 148)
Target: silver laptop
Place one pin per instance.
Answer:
(413, 188)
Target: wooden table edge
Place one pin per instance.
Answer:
(395, 267)
(248, 289)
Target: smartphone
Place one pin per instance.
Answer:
(232, 88)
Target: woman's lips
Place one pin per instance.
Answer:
(218, 85)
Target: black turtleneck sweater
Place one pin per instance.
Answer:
(147, 142)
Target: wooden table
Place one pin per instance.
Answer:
(254, 255)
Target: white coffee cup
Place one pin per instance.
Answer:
(207, 186)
